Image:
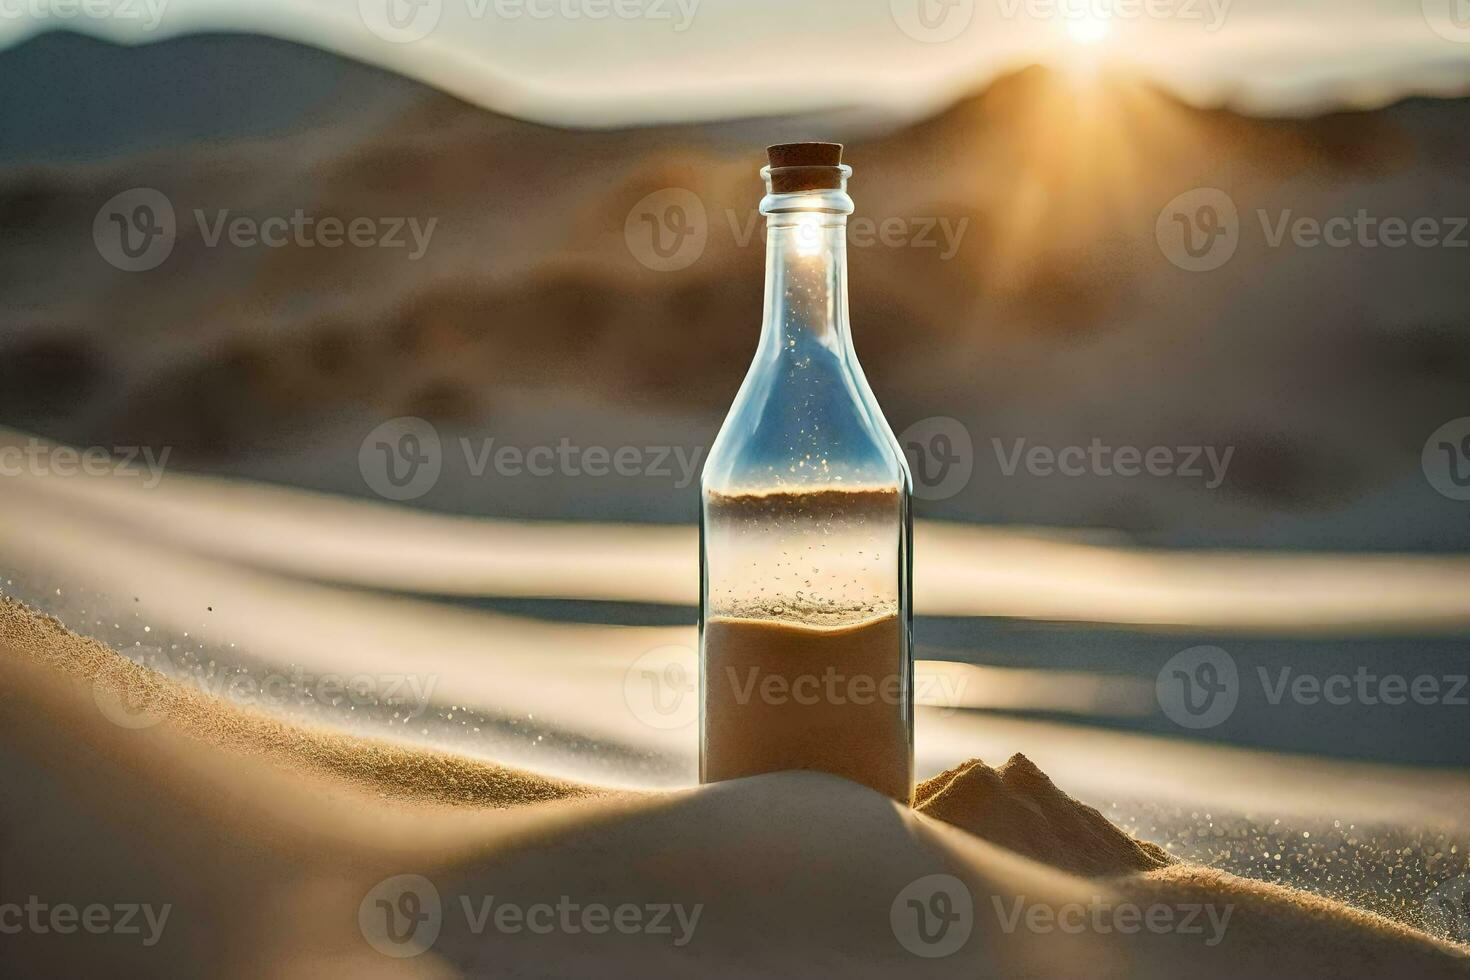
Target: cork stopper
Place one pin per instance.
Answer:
(805, 167)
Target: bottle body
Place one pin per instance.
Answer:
(805, 538)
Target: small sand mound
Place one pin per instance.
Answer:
(1018, 807)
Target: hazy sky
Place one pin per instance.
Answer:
(610, 62)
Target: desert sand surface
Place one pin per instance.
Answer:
(266, 839)
(223, 583)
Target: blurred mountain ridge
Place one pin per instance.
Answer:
(1005, 260)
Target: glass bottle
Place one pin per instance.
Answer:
(805, 527)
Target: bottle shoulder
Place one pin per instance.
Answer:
(805, 419)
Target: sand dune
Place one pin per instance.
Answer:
(265, 580)
(294, 830)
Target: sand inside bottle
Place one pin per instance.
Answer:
(805, 648)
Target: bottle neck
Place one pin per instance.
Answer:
(806, 274)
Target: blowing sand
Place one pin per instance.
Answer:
(265, 840)
(120, 685)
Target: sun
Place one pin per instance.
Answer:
(1089, 29)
